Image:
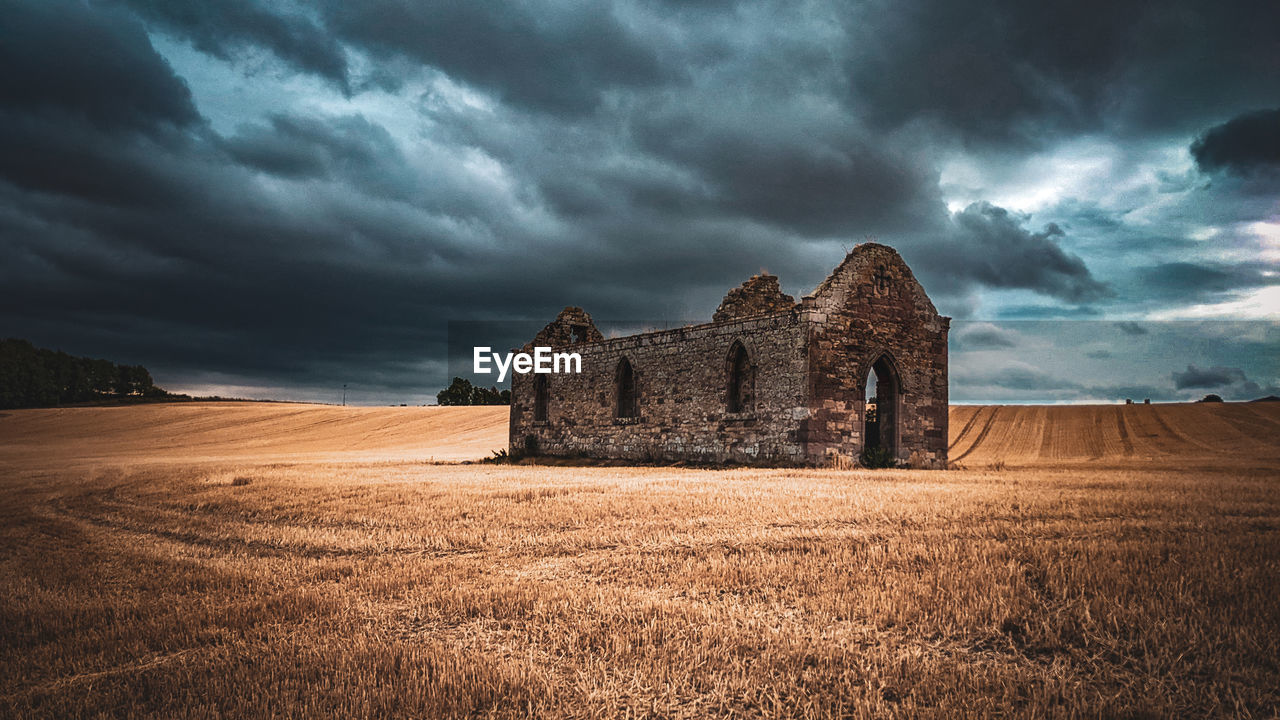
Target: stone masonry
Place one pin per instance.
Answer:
(760, 295)
(768, 382)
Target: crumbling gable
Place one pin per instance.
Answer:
(872, 320)
(760, 295)
(573, 326)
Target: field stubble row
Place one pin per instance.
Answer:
(361, 584)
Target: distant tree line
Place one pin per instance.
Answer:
(35, 377)
(462, 392)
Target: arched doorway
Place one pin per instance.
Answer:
(880, 411)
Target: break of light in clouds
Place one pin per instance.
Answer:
(281, 198)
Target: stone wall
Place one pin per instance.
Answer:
(682, 398)
(760, 295)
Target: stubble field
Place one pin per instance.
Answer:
(255, 560)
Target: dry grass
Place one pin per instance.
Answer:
(1208, 435)
(145, 585)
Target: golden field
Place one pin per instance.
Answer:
(264, 560)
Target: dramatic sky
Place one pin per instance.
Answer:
(273, 199)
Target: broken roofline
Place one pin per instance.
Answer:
(650, 334)
(805, 304)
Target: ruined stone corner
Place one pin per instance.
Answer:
(761, 294)
(573, 326)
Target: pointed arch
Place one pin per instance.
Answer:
(628, 397)
(541, 397)
(890, 363)
(881, 411)
(739, 379)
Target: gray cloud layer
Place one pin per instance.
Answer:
(632, 157)
(989, 246)
(1214, 377)
(1244, 144)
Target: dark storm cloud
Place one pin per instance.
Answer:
(1199, 282)
(820, 176)
(88, 125)
(634, 158)
(554, 57)
(68, 157)
(1229, 382)
(558, 58)
(121, 85)
(1030, 71)
(226, 27)
(1213, 377)
(1012, 70)
(350, 148)
(131, 230)
(1245, 144)
(990, 245)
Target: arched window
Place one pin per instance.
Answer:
(540, 396)
(627, 395)
(741, 395)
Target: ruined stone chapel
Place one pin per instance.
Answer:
(859, 363)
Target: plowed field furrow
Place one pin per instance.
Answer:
(1180, 428)
(1072, 434)
(1260, 411)
(1251, 430)
(1126, 442)
(1037, 435)
(967, 414)
(982, 434)
(1029, 436)
(1014, 434)
(1150, 436)
(1128, 435)
(194, 431)
(1089, 444)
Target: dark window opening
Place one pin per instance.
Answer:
(541, 394)
(741, 381)
(880, 409)
(627, 395)
(577, 334)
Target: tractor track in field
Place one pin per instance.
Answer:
(982, 434)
